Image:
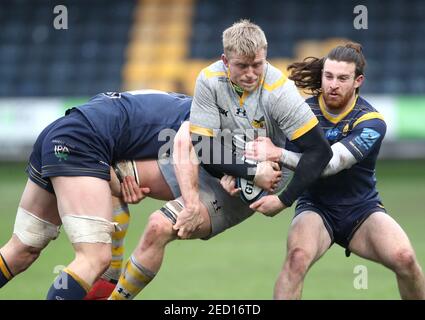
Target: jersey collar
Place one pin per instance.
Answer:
(334, 118)
(244, 94)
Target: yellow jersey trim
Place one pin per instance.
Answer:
(202, 131)
(209, 74)
(368, 116)
(330, 117)
(305, 128)
(277, 84)
(246, 93)
(243, 98)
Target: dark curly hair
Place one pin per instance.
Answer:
(308, 73)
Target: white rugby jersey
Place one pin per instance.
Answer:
(275, 109)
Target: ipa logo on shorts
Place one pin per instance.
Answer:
(61, 152)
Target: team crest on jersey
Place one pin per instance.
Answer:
(332, 134)
(258, 124)
(61, 152)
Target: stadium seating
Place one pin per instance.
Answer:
(391, 43)
(38, 60)
(126, 44)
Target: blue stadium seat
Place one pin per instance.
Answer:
(392, 41)
(37, 60)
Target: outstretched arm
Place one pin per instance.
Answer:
(342, 159)
(316, 154)
(346, 152)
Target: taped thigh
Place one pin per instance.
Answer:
(172, 209)
(88, 229)
(34, 231)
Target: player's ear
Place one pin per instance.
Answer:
(358, 81)
(225, 60)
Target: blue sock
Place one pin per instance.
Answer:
(5, 274)
(68, 286)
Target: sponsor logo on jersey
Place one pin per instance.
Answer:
(222, 111)
(366, 139)
(332, 134)
(240, 112)
(61, 152)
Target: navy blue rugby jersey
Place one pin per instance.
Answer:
(361, 130)
(129, 123)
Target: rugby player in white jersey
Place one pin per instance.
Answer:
(244, 96)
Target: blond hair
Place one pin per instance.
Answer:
(244, 38)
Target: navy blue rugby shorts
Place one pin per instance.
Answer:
(342, 222)
(69, 146)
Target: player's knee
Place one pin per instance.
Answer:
(91, 230)
(298, 261)
(158, 229)
(96, 258)
(103, 259)
(404, 261)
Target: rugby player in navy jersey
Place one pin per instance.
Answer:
(344, 205)
(68, 174)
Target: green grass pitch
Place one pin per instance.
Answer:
(241, 263)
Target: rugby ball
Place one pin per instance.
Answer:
(249, 191)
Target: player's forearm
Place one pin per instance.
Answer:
(315, 157)
(220, 160)
(187, 177)
(186, 167)
(342, 159)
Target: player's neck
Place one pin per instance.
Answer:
(238, 89)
